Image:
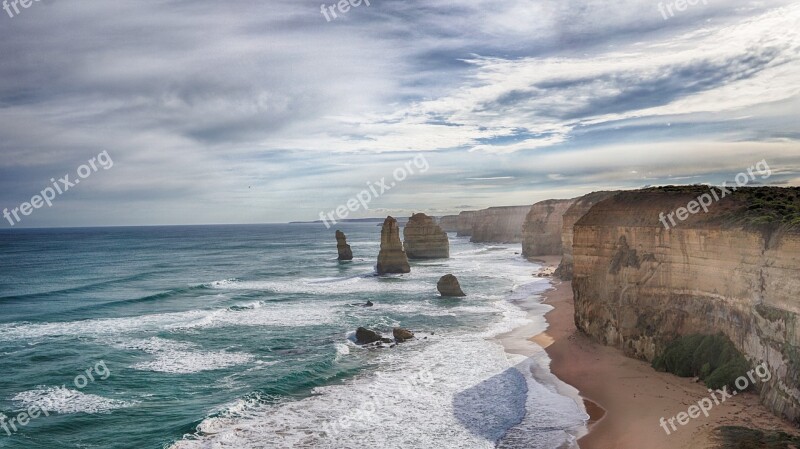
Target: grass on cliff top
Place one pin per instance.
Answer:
(763, 206)
(733, 437)
(712, 358)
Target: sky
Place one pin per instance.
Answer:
(245, 111)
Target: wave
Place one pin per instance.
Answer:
(63, 400)
(182, 357)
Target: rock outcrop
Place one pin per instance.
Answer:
(365, 336)
(575, 212)
(392, 258)
(448, 286)
(449, 223)
(400, 335)
(345, 253)
(424, 239)
(542, 228)
(499, 224)
(732, 270)
(464, 223)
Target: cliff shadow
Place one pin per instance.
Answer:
(493, 406)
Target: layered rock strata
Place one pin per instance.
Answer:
(734, 270)
(541, 232)
(392, 258)
(424, 239)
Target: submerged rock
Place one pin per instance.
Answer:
(392, 258)
(401, 335)
(424, 239)
(365, 336)
(345, 253)
(448, 286)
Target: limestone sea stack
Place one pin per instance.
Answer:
(424, 239)
(639, 283)
(448, 286)
(392, 258)
(578, 209)
(499, 224)
(543, 226)
(345, 253)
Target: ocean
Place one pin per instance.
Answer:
(241, 336)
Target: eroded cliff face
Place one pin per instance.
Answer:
(449, 223)
(464, 223)
(541, 231)
(575, 212)
(637, 285)
(499, 224)
(424, 239)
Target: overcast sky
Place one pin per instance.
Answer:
(253, 111)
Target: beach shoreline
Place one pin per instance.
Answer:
(624, 397)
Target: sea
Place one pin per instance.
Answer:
(242, 336)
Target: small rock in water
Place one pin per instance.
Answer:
(448, 286)
(401, 335)
(365, 336)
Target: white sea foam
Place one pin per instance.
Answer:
(63, 400)
(174, 357)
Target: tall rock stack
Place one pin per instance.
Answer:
(578, 209)
(541, 233)
(424, 239)
(345, 253)
(449, 223)
(392, 258)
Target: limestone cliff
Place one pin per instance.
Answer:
(391, 258)
(345, 253)
(424, 239)
(449, 223)
(541, 231)
(735, 270)
(499, 224)
(576, 211)
(464, 223)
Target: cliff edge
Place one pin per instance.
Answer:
(734, 269)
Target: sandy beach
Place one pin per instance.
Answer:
(626, 398)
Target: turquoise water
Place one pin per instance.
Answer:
(241, 336)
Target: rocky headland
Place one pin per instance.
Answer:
(576, 211)
(464, 223)
(449, 223)
(542, 228)
(499, 224)
(424, 239)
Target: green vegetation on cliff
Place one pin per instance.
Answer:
(712, 358)
(733, 437)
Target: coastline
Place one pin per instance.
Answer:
(625, 397)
